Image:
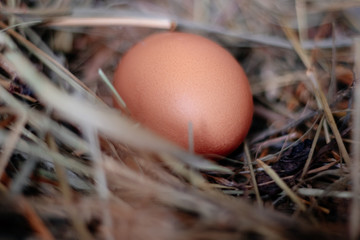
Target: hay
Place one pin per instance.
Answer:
(72, 167)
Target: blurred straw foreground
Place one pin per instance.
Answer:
(72, 167)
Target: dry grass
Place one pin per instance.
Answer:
(72, 167)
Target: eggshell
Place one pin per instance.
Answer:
(170, 79)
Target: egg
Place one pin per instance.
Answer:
(172, 79)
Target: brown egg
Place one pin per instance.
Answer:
(170, 79)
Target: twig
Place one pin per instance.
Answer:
(312, 149)
(41, 12)
(314, 192)
(111, 87)
(252, 173)
(190, 137)
(111, 21)
(301, 11)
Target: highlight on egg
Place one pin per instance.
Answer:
(171, 79)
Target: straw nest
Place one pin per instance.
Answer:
(72, 167)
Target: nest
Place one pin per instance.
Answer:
(73, 167)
